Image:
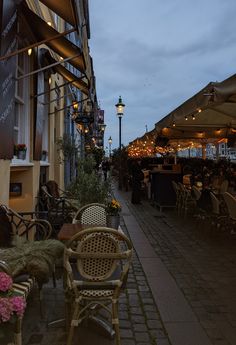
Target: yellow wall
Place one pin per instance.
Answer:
(5, 180)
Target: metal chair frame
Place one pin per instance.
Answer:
(27, 226)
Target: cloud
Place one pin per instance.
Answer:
(156, 55)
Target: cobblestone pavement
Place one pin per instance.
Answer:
(202, 261)
(202, 264)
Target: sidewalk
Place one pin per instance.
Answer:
(191, 274)
(180, 291)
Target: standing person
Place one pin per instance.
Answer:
(137, 178)
(105, 168)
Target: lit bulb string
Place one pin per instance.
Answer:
(146, 151)
(193, 117)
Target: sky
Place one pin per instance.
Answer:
(156, 54)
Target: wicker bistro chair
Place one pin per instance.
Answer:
(196, 192)
(230, 201)
(176, 188)
(22, 286)
(187, 204)
(102, 257)
(92, 214)
(218, 220)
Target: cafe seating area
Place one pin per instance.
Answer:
(32, 247)
(90, 254)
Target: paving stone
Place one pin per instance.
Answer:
(139, 327)
(142, 336)
(126, 333)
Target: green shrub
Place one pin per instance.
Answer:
(88, 187)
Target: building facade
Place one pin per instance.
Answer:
(45, 66)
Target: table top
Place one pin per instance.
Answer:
(68, 230)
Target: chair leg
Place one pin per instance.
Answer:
(115, 321)
(17, 332)
(72, 325)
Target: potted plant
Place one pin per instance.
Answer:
(20, 151)
(113, 209)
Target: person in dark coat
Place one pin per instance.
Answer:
(105, 168)
(137, 178)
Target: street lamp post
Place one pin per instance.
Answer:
(110, 142)
(120, 112)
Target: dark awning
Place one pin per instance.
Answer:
(210, 113)
(62, 46)
(67, 75)
(66, 9)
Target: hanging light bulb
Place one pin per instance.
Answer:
(193, 117)
(186, 118)
(49, 80)
(29, 51)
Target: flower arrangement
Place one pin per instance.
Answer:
(20, 147)
(11, 303)
(113, 207)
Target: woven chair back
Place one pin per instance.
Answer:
(97, 268)
(92, 214)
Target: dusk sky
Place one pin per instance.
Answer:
(156, 54)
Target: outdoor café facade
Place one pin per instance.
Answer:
(44, 63)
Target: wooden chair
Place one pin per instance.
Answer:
(91, 214)
(22, 286)
(96, 263)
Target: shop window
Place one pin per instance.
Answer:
(21, 125)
